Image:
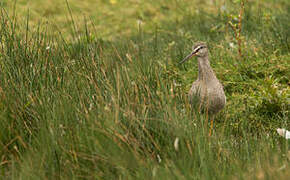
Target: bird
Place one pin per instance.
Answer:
(207, 92)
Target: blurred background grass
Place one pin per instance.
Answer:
(115, 18)
(92, 89)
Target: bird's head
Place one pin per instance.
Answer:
(199, 50)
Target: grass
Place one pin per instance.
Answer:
(95, 99)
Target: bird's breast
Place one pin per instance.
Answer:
(208, 96)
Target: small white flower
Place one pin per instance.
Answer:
(282, 167)
(159, 158)
(175, 84)
(172, 43)
(176, 144)
(47, 48)
(287, 135)
(283, 132)
(139, 22)
(232, 45)
(91, 106)
(62, 128)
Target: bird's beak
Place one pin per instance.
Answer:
(193, 53)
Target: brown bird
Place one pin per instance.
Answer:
(207, 92)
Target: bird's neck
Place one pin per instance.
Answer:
(205, 72)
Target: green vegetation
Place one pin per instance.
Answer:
(93, 89)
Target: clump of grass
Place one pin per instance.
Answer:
(91, 108)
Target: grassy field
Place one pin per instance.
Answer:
(92, 89)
